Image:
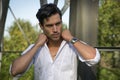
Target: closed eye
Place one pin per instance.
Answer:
(56, 24)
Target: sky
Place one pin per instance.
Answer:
(27, 9)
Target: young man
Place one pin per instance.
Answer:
(55, 53)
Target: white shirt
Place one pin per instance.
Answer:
(64, 66)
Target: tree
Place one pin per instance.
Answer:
(109, 36)
(16, 42)
(109, 23)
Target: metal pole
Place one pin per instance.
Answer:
(83, 25)
(3, 12)
(20, 26)
(0, 58)
(42, 2)
(56, 2)
(0, 9)
(65, 7)
(0, 45)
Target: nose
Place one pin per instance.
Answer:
(54, 28)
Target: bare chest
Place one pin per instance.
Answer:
(53, 52)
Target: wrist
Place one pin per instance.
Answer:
(74, 40)
(38, 45)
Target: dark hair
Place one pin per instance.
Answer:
(46, 11)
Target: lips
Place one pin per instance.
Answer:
(55, 35)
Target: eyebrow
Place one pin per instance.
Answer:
(54, 24)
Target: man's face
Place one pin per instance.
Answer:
(52, 27)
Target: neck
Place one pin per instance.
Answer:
(52, 43)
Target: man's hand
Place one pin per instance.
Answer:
(41, 40)
(66, 35)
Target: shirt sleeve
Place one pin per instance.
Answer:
(19, 75)
(93, 61)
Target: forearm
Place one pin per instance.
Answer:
(87, 52)
(21, 63)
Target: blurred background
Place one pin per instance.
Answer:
(96, 22)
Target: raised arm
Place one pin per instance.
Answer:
(21, 63)
(87, 52)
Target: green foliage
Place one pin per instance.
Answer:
(109, 23)
(109, 74)
(16, 36)
(6, 62)
(16, 42)
(64, 26)
(109, 36)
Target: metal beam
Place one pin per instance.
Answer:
(108, 48)
(83, 25)
(65, 7)
(0, 9)
(56, 2)
(22, 31)
(83, 20)
(5, 4)
(42, 2)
